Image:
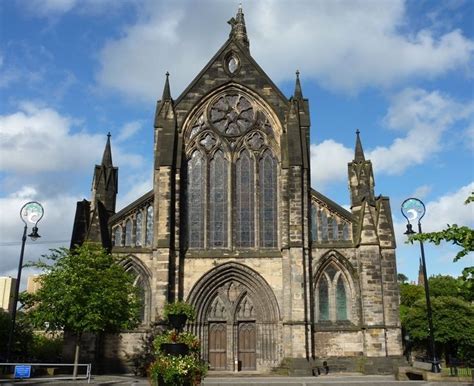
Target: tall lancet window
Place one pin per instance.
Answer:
(314, 223)
(245, 204)
(149, 226)
(218, 201)
(139, 222)
(128, 233)
(323, 299)
(196, 200)
(268, 200)
(118, 236)
(341, 300)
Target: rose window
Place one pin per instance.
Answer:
(232, 115)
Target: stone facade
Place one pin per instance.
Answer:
(275, 269)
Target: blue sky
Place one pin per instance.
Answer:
(399, 71)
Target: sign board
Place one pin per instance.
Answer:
(22, 371)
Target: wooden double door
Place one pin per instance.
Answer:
(220, 333)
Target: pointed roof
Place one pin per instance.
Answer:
(298, 93)
(239, 31)
(166, 90)
(107, 157)
(359, 152)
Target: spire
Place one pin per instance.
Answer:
(359, 152)
(421, 277)
(239, 31)
(166, 89)
(107, 157)
(298, 93)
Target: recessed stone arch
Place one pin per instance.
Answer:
(142, 278)
(237, 299)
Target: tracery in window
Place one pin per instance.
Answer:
(218, 201)
(118, 236)
(196, 200)
(245, 215)
(138, 232)
(268, 200)
(332, 295)
(128, 233)
(149, 226)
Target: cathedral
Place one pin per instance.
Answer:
(280, 275)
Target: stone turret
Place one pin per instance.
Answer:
(361, 177)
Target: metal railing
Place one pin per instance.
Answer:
(8, 371)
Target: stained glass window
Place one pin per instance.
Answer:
(196, 200)
(118, 236)
(323, 299)
(314, 223)
(341, 300)
(218, 201)
(244, 221)
(139, 220)
(128, 233)
(149, 225)
(324, 225)
(268, 200)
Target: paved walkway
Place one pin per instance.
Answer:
(214, 380)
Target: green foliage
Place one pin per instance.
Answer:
(410, 293)
(173, 337)
(5, 321)
(46, 348)
(83, 290)
(179, 308)
(179, 370)
(444, 285)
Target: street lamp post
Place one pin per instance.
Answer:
(413, 209)
(30, 213)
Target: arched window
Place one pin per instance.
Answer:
(128, 233)
(196, 200)
(333, 229)
(314, 223)
(118, 236)
(149, 226)
(323, 297)
(268, 200)
(245, 204)
(341, 300)
(332, 295)
(218, 201)
(138, 232)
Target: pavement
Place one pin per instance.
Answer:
(241, 380)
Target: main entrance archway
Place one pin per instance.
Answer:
(237, 318)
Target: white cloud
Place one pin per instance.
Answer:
(422, 191)
(58, 8)
(39, 139)
(55, 227)
(329, 163)
(344, 45)
(424, 117)
(128, 130)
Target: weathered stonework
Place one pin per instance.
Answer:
(303, 279)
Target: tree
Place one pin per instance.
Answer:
(402, 279)
(84, 290)
(453, 323)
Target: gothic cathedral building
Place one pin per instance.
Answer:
(278, 273)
